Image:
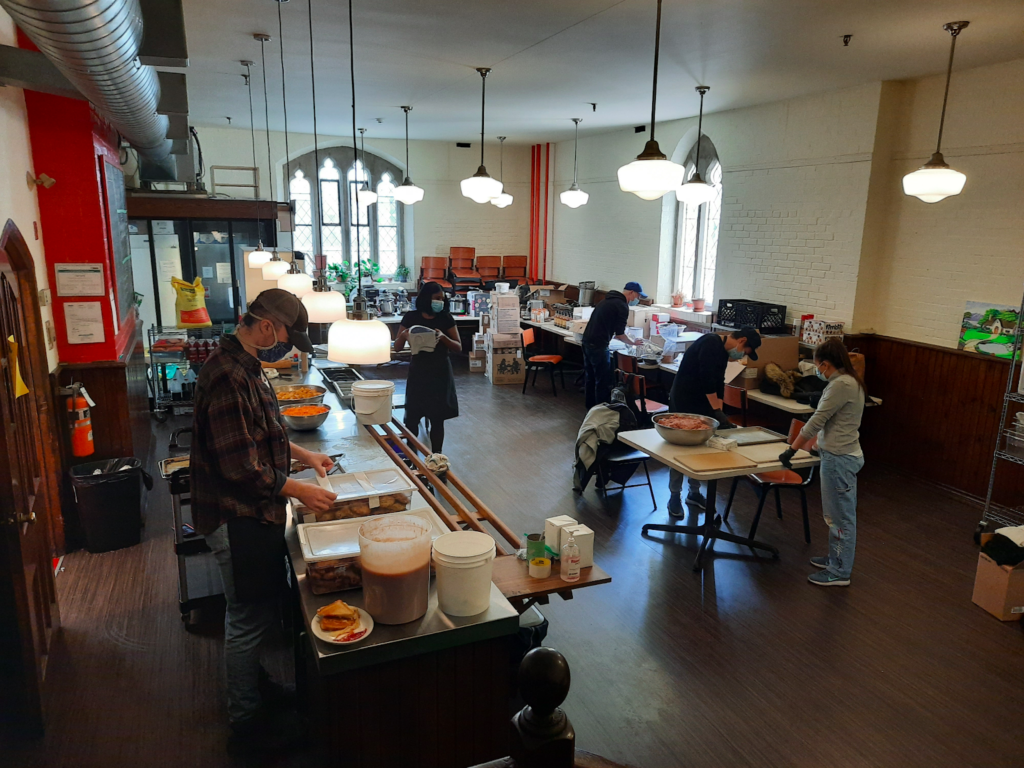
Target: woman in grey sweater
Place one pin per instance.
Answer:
(836, 423)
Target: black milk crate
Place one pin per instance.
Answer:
(762, 316)
(728, 311)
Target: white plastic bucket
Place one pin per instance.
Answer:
(501, 287)
(371, 401)
(463, 561)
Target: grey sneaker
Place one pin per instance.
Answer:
(826, 579)
(820, 562)
(696, 498)
(675, 506)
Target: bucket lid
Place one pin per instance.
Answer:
(463, 546)
(373, 388)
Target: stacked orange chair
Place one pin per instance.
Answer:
(434, 269)
(514, 269)
(537, 363)
(489, 269)
(461, 272)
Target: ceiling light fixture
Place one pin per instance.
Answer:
(935, 180)
(574, 197)
(284, 112)
(359, 341)
(407, 193)
(295, 281)
(364, 195)
(259, 257)
(651, 175)
(504, 200)
(480, 187)
(697, 191)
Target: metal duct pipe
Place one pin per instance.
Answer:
(95, 44)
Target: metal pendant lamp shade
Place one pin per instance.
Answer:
(574, 197)
(325, 306)
(935, 180)
(480, 187)
(696, 191)
(504, 200)
(651, 175)
(407, 193)
(359, 342)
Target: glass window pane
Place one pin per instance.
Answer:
(331, 202)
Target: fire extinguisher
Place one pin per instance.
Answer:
(80, 421)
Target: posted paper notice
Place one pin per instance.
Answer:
(223, 272)
(84, 320)
(79, 279)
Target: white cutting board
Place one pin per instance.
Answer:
(767, 453)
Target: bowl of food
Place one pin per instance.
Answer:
(300, 394)
(685, 428)
(305, 417)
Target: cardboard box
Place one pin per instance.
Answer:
(504, 312)
(551, 296)
(999, 589)
(504, 341)
(479, 342)
(816, 330)
(478, 364)
(582, 313)
(578, 326)
(478, 354)
(485, 323)
(784, 351)
(506, 367)
(553, 531)
(640, 317)
(584, 540)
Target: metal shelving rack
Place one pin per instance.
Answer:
(163, 399)
(996, 513)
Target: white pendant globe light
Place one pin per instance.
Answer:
(480, 187)
(293, 281)
(407, 193)
(696, 191)
(275, 269)
(259, 257)
(651, 175)
(324, 306)
(359, 342)
(574, 197)
(504, 200)
(935, 180)
(364, 195)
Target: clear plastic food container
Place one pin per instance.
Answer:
(361, 494)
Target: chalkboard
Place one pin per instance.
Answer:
(117, 214)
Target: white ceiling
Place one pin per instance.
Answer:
(551, 57)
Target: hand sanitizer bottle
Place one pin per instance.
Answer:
(570, 564)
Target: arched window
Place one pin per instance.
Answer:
(698, 228)
(330, 212)
(302, 239)
(387, 225)
(359, 229)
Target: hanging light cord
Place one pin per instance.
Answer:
(355, 147)
(700, 130)
(483, 106)
(501, 170)
(657, 50)
(252, 131)
(954, 31)
(316, 149)
(575, 150)
(406, 110)
(266, 111)
(287, 154)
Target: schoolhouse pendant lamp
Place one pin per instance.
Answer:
(480, 187)
(652, 174)
(935, 180)
(574, 197)
(295, 281)
(259, 257)
(504, 200)
(276, 268)
(364, 195)
(357, 341)
(407, 193)
(696, 190)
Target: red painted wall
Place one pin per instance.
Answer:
(71, 144)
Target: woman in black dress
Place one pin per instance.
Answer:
(430, 391)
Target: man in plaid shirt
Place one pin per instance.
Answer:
(239, 467)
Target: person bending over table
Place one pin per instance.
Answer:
(430, 391)
(836, 422)
(698, 388)
(608, 320)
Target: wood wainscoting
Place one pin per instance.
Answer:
(940, 414)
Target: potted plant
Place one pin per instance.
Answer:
(402, 274)
(339, 274)
(369, 271)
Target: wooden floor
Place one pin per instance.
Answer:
(745, 664)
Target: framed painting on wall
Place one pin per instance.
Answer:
(988, 329)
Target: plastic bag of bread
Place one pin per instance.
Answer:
(190, 303)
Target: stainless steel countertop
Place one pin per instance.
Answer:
(436, 630)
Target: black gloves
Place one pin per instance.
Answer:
(786, 458)
(723, 420)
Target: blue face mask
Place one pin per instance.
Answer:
(275, 353)
(436, 306)
(634, 302)
(821, 375)
(736, 354)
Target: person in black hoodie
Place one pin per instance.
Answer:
(699, 388)
(608, 321)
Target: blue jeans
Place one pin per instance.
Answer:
(839, 508)
(246, 624)
(597, 372)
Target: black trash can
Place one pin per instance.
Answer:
(110, 502)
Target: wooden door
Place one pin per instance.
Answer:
(28, 493)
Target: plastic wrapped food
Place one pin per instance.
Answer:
(343, 510)
(328, 576)
(361, 494)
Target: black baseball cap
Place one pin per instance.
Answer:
(753, 340)
(286, 308)
(635, 286)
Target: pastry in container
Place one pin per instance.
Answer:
(361, 494)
